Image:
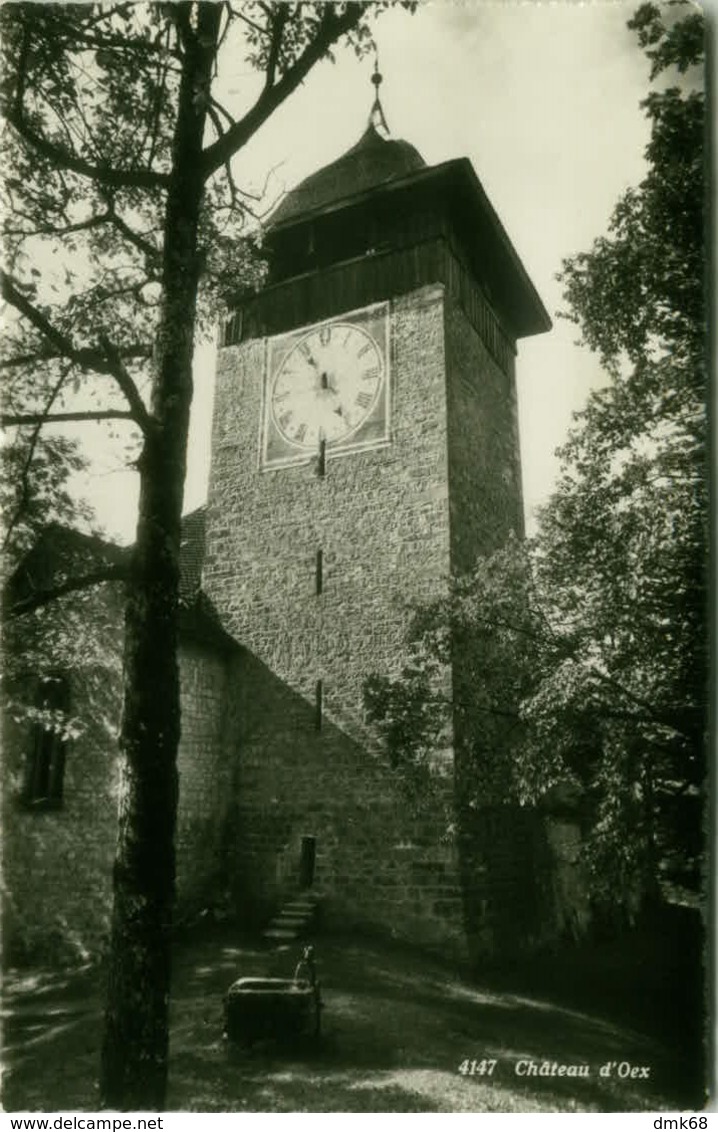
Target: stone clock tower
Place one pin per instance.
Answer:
(365, 447)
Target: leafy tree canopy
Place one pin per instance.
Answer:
(91, 94)
(587, 647)
(125, 228)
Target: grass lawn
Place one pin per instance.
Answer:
(396, 1027)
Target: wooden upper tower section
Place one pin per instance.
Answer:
(376, 223)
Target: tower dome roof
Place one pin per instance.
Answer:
(373, 161)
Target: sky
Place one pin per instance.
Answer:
(543, 99)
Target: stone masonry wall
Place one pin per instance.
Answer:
(483, 439)
(381, 519)
(377, 866)
(502, 848)
(207, 753)
(57, 863)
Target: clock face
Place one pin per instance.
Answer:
(327, 386)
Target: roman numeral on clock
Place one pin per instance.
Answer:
(364, 399)
(367, 346)
(300, 433)
(370, 374)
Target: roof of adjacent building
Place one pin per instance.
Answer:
(373, 161)
(61, 552)
(192, 544)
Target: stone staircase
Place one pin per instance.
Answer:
(293, 922)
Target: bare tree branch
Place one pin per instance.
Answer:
(104, 174)
(66, 158)
(179, 15)
(128, 353)
(666, 717)
(153, 127)
(124, 380)
(24, 475)
(109, 216)
(48, 230)
(234, 206)
(117, 573)
(121, 43)
(8, 420)
(331, 27)
(222, 110)
(239, 15)
(148, 249)
(278, 22)
(107, 360)
(223, 34)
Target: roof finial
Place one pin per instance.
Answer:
(376, 115)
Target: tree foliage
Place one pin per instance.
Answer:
(122, 182)
(594, 634)
(91, 94)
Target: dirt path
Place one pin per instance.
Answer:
(397, 1030)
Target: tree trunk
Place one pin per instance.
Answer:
(136, 1040)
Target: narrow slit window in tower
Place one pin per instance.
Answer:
(320, 572)
(319, 705)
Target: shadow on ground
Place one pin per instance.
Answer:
(397, 1028)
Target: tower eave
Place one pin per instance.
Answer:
(485, 228)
